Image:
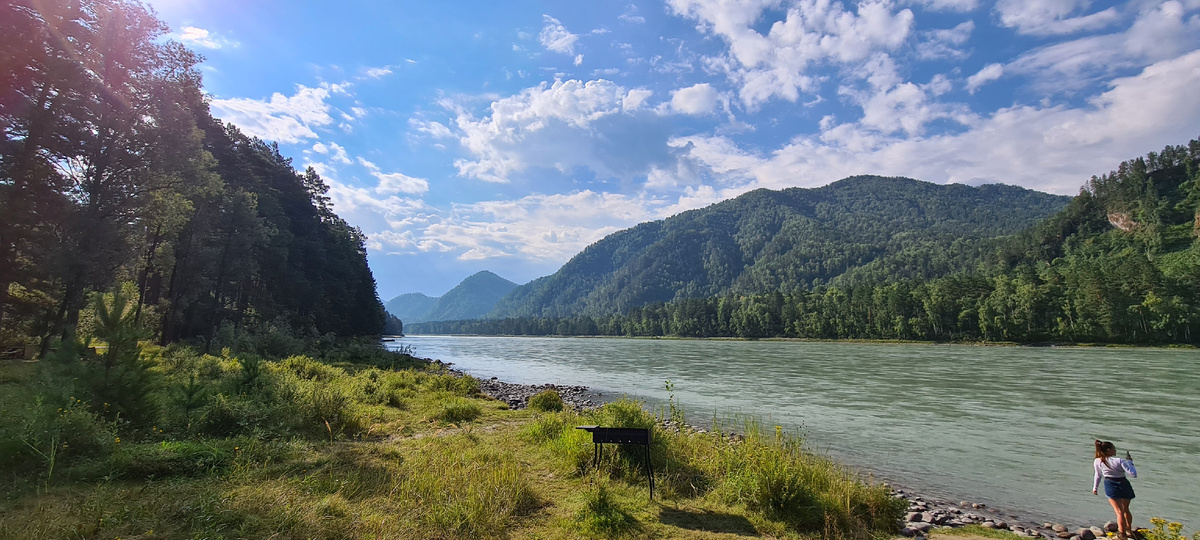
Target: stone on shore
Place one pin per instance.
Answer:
(1111, 526)
(1086, 534)
(1059, 528)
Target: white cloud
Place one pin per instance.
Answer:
(434, 129)
(1042, 148)
(697, 99)
(579, 59)
(949, 5)
(281, 118)
(394, 183)
(378, 72)
(1051, 17)
(1159, 32)
(630, 15)
(547, 126)
(334, 150)
(945, 43)
(814, 32)
(986, 75)
(555, 37)
(539, 227)
(199, 37)
(634, 99)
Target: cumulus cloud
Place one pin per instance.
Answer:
(199, 37)
(814, 32)
(280, 118)
(555, 37)
(697, 99)
(334, 151)
(437, 130)
(1043, 148)
(394, 183)
(555, 125)
(945, 43)
(986, 75)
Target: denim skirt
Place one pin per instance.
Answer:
(1118, 488)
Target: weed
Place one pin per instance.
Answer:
(603, 515)
(547, 401)
(457, 410)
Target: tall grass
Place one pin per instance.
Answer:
(767, 473)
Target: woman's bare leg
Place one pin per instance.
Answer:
(1126, 515)
(1122, 531)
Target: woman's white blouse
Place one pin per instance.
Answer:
(1113, 467)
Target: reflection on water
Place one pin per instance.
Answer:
(1008, 426)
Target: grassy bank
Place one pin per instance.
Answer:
(382, 446)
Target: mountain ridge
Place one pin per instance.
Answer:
(783, 240)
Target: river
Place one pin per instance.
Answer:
(1011, 427)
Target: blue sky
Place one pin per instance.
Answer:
(507, 136)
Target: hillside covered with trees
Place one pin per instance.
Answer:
(1120, 263)
(784, 241)
(114, 175)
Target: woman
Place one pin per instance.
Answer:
(1116, 486)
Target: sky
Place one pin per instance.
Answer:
(507, 136)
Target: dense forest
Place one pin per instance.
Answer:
(115, 177)
(860, 228)
(1119, 264)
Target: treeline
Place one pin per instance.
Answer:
(114, 174)
(1120, 264)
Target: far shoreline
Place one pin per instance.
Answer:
(1012, 344)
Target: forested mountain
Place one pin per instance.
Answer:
(470, 299)
(410, 307)
(114, 175)
(860, 228)
(1119, 264)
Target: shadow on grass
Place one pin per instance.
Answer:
(701, 520)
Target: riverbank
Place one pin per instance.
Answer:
(924, 513)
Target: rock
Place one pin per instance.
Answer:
(913, 516)
(1001, 525)
(1064, 534)
(1086, 534)
(1059, 528)
(927, 517)
(978, 505)
(921, 527)
(1047, 525)
(988, 525)
(1111, 526)
(1097, 531)
(964, 504)
(908, 531)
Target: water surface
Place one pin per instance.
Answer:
(1008, 426)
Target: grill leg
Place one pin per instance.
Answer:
(650, 471)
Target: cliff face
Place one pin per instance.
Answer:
(1122, 221)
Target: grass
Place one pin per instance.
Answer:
(296, 448)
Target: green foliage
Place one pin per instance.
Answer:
(547, 401)
(603, 515)
(457, 410)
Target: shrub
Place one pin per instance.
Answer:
(458, 410)
(546, 400)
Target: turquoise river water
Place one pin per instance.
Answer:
(1011, 427)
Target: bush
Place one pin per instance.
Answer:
(546, 400)
(458, 410)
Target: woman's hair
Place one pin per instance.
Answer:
(1102, 448)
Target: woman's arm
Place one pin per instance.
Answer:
(1096, 478)
(1127, 464)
